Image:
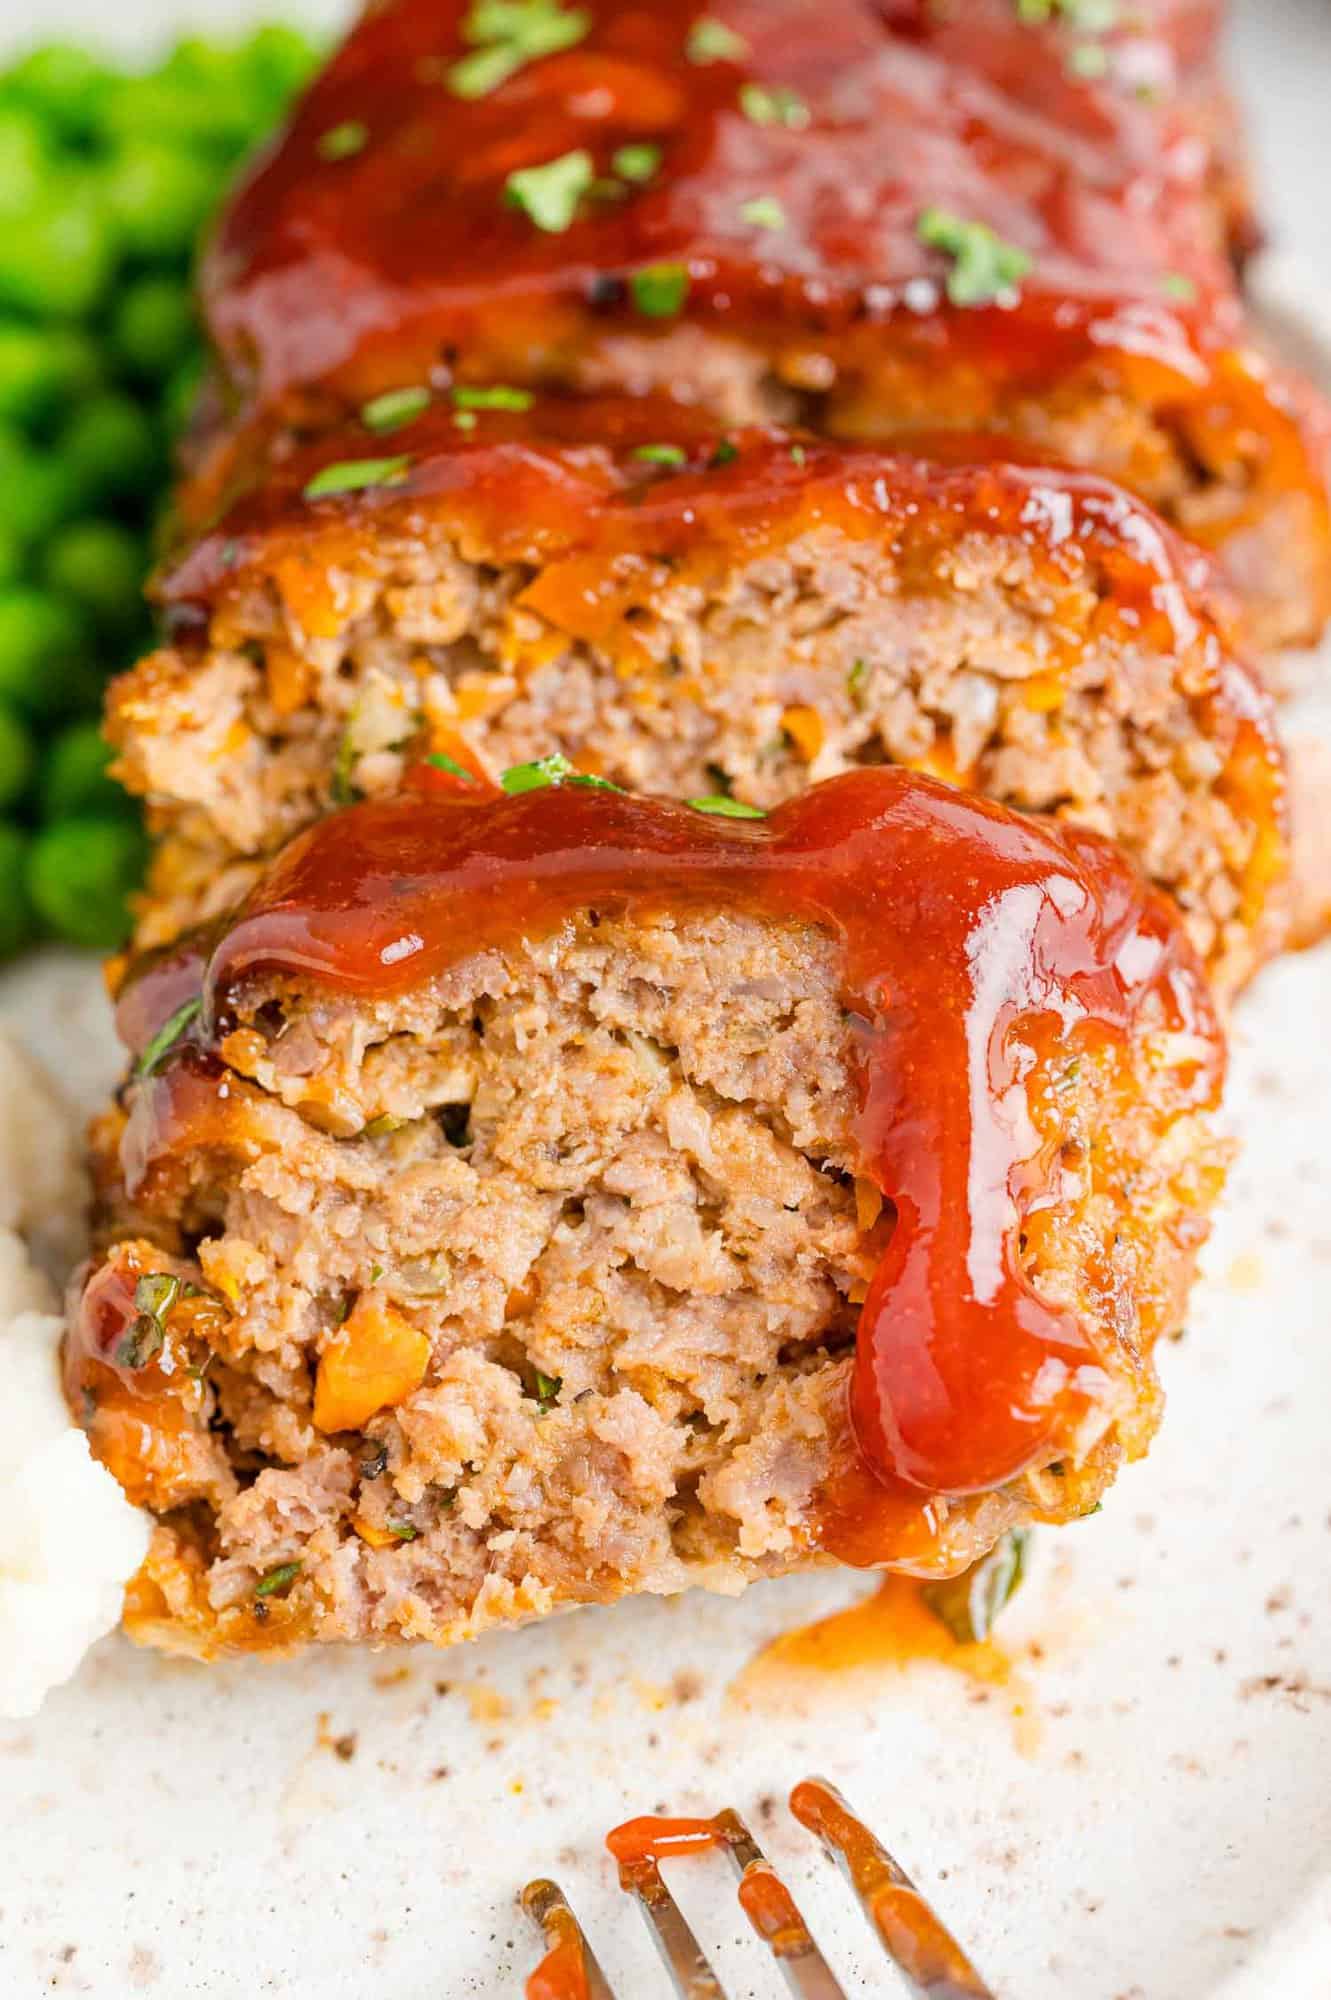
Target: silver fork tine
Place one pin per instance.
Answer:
(917, 1942)
(569, 1970)
(771, 1909)
(684, 1958)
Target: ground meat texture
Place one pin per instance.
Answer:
(768, 260)
(692, 611)
(532, 1278)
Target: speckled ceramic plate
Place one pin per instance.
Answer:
(1142, 1811)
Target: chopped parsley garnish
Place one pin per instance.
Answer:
(375, 1462)
(506, 35)
(727, 451)
(552, 770)
(984, 267)
(855, 679)
(276, 1582)
(1088, 17)
(402, 1531)
(342, 790)
(636, 163)
(354, 475)
(1089, 60)
(779, 106)
(662, 454)
(382, 1126)
(547, 1390)
(725, 808)
(711, 41)
(969, 1604)
(156, 1293)
(798, 454)
(659, 290)
(549, 195)
(1178, 285)
(144, 1339)
(466, 420)
(376, 1272)
(394, 408)
(498, 397)
(443, 762)
(764, 212)
(167, 1036)
(344, 141)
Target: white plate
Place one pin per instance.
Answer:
(1155, 1826)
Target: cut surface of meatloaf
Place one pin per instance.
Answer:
(538, 1199)
(861, 218)
(687, 610)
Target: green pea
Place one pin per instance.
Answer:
(110, 450)
(43, 369)
(152, 327)
(57, 254)
(281, 60)
(18, 757)
(101, 565)
(36, 489)
(181, 396)
(45, 656)
(64, 84)
(183, 110)
(80, 876)
(73, 782)
(159, 196)
(25, 159)
(11, 557)
(18, 923)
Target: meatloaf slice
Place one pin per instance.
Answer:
(859, 217)
(538, 1199)
(688, 611)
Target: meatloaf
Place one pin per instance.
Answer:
(857, 216)
(688, 610)
(542, 1198)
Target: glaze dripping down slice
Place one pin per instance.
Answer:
(537, 1199)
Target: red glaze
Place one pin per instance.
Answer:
(562, 1973)
(976, 945)
(359, 271)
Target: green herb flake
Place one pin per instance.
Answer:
(969, 1604)
(856, 678)
(382, 1126)
(636, 163)
(395, 408)
(1087, 17)
(138, 1346)
(779, 106)
(402, 1531)
(340, 787)
(1089, 60)
(711, 41)
(764, 212)
(725, 808)
(375, 1462)
(466, 420)
(156, 1293)
(798, 455)
(344, 141)
(547, 1390)
(443, 762)
(376, 1272)
(662, 454)
(167, 1036)
(659, 290)
(355, 475)
(727, 451)
(549, 195)
(508, 34)
(552, 770)
(984, 267)
(499, 396)
(1178, 285)
(278, 1581)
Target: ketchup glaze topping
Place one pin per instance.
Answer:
(976, 946)
(378, 240)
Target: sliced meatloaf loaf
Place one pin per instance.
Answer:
(531, 1200)
(860, 217)
(688, 610)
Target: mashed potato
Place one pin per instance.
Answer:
(69, 1540)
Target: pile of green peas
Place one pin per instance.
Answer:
(106, 180)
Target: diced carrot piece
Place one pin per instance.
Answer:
(804, 727)
(372, 1362)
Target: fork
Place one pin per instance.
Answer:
(932, 1963)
